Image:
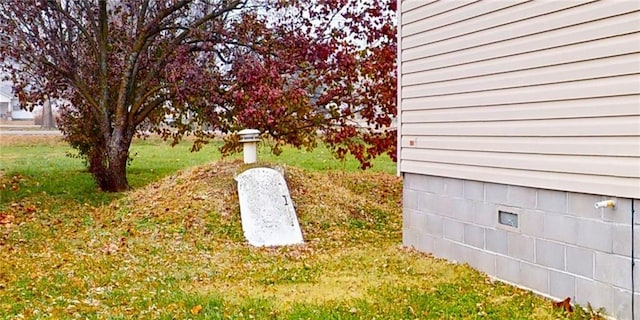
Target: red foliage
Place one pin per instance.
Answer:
(298, 71)
(319, 69)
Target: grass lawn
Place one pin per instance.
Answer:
(172, 248)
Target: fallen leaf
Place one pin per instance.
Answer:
(6, 218)
(564, 304)
(196, 310)
(110, 248)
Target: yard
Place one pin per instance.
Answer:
(172, 248)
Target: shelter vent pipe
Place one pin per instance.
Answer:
(249, 139)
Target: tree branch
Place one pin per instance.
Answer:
(140, 102)
(144, 113)
(57, 7)
(103, 41)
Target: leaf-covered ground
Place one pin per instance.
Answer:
(175, 250)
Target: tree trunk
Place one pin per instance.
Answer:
(108, 165)
(118, 170)
(47, 115)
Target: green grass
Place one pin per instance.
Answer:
(322, 159)
(173, 248)
(43, 166)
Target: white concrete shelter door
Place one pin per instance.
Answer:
(267, 212)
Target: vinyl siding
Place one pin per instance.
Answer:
(542, 94)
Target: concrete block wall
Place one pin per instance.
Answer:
(562, 247)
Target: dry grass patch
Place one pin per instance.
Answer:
(175, 249)
(32, 140)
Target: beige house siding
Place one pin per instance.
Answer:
(543, 94)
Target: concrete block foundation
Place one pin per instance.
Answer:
(561, 247)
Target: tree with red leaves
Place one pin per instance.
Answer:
(299, 71)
